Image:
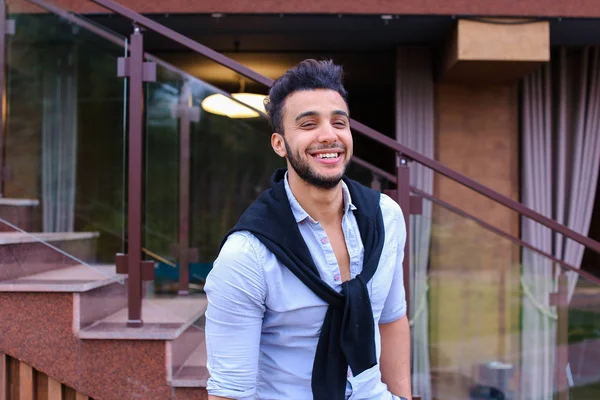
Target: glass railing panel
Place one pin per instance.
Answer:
(368, 175)
(65, 133)
(485, 318)
(583, 313)
(161, 211)
(230, 162)
(467, 303)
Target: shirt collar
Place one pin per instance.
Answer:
(300, 214)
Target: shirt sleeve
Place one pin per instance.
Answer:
(394, 307)
(236, 292)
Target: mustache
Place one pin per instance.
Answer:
(335, 146)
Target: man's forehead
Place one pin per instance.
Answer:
(318, 101)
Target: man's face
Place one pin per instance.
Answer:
(317, 142)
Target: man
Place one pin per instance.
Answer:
(306, 298)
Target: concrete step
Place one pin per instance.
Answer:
(75, 279)
(19, 212)
(25, 254)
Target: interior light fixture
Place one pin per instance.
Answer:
(223, 105)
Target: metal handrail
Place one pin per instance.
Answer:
(390, 177)
(357, 126)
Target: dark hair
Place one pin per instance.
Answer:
(308, 75)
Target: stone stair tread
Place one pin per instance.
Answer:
(76, 278)
(164, 319)
(193, 373)
(33, 237)
(5, 201)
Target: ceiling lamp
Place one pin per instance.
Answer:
(223, 105)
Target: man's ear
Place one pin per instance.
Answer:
(278, 144)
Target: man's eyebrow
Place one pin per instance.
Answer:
(314, 113)
(306, 114)
(341, 112)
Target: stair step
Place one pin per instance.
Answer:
(77, 278)
(193, 373)
(41, 237)
(24, 254)
(23, 213)
(164, 319)
(5, 201)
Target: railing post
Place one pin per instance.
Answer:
(134, 203)
(560, 299)
(403, 199)
(7, 27)
(186, 114)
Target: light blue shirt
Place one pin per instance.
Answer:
(263, 323)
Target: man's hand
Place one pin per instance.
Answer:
(395, 357)
(218, 398)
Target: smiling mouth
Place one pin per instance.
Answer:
(328, 158)
(325, 156)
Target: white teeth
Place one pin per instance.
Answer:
(327, 155)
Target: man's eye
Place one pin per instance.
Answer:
(340, 123)
(308, 124)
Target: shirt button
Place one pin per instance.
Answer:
(337, 277)
(324, 240)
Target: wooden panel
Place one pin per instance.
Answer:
(69, 393)
(3, 377)
(54, 389)
(19, 381)
(13, 378)
(494, 53)
(503, 42)
(41, 386)
(25, 382)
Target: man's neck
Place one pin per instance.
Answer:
(323, 205)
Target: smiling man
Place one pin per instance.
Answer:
(306, 298)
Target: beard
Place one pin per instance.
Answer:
(308, 174)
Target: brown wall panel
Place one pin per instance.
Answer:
(581, 8)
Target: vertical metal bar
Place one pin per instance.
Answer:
(134, 203)
(3, 101)
(562, 336)
(403, 199)
(184, 191)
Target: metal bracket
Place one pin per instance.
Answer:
(193, 253)
(10, 27)
(180, 110)
(147, 267)
(416, 202)
(148, 69)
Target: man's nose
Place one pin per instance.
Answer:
(327, 134)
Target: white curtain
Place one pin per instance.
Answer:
(59, 140)
(561, 156)
(415, 129)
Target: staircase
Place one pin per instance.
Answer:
(70, 303)
(65, 316)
